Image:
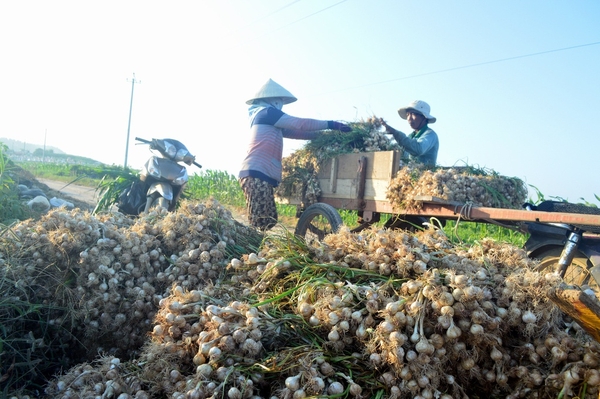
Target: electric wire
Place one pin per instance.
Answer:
(465, 67)
(478, 64)
(269, 14)
(288, 24)
(309, 15)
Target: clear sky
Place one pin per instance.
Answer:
(515, 85)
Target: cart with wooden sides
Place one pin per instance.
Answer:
(565, 238)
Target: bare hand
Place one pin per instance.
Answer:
(388, 128)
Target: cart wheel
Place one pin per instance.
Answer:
(317, 221)
(578, 272)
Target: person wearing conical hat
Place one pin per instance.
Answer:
(422, 144)
(261, 172)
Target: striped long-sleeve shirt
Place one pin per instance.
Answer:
(268, 128)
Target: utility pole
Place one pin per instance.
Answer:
(133, 82)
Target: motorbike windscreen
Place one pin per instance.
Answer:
(165, 169)
(173, 149)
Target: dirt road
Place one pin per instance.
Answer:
(84, 194)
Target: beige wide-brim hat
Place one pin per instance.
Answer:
(421, 107)
(272, 89)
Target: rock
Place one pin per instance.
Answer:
(31, 193)
(39, 204)
(57, 203)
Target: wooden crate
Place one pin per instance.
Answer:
(339, 177)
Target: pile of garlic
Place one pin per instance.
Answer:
(99, 279)
(454, 184)
(378, 313)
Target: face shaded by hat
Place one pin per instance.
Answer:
(271, 89)
(420, 107)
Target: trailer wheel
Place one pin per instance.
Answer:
(577, 272)
(317, 221)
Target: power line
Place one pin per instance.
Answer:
(467, 66)
(309, 15)
(269, 14)
(293, 22)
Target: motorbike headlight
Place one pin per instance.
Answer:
(170, 149)
(182, 155)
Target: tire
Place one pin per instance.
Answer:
(577, 272)
(317, 221)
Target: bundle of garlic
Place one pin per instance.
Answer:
(42, 311)
(380, 313)
(460, 184)
(105, 377)
(469, 322)
(96, 281)
(444, 321)
(125, 275)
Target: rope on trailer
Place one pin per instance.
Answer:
(465, 211)
(465, 214)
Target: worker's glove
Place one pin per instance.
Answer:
(333, 125)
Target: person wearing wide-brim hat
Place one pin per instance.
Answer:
(422, 144)
(261, 172)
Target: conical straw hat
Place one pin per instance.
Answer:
(271, 89)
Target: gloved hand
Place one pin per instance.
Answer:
(338, 126)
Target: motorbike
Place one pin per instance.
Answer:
(573, 251)
(162, 178)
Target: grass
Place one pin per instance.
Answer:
(469, 233)
(219, 185)
(31, 342)
(83, 175)
(11, 208)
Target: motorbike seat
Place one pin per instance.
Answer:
(567, 207)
